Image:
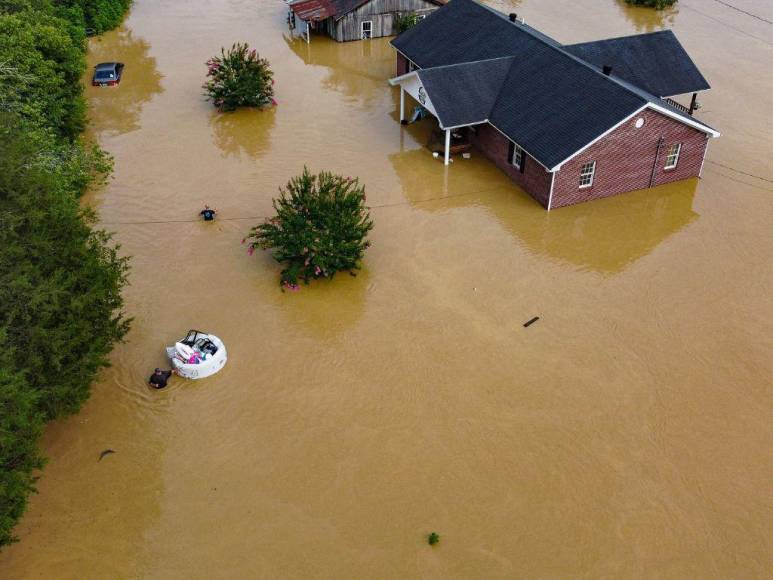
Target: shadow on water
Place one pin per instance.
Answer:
(648, 19)
(245, 132)
(358, 70)
(114, 111)
(605, 235)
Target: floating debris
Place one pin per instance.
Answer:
(532, 321)
(433, 539)
(105, 453)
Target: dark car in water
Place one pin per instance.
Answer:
(107, 74)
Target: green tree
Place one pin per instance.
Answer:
(239, 78)
(320, 227)
(60, 280)
(47, 63)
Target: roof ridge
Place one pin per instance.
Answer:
(560, 49)
(465, 63)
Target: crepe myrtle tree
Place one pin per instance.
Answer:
(239, 77)
(320, 228)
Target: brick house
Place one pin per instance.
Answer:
(345, 20)
(567, 123)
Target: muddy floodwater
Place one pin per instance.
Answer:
(626, 434)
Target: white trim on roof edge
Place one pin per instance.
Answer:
(694, 124)
(397, 80)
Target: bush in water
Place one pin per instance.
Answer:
(239, 78)
(320, 227)
(653, 3)
(433, 538)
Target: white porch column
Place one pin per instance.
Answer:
(448, 145)
(308, 31)
(402, 104)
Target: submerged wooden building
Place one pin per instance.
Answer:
(345, 20)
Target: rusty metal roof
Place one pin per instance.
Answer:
(317, 10)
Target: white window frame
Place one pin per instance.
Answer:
(518, 155)
(362, 30)
(672, 157)
(584, 173)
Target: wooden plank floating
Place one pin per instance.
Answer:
(530, 322)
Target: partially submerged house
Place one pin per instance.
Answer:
(567, 123)
(345, 20)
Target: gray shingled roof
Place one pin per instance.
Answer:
(549, 101)
(656, 62)
(466, 92)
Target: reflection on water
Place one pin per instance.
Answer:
(326, 309)
(605, 235)
(647, 19)
(243, 132)
(357, 70)
(116, 110)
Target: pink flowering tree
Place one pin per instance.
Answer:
(320, 228)
(239, 78)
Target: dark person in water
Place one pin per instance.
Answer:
(208, 213)
(159, 378)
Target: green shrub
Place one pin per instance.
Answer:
(239, 78)
(404, 22)
(320, 227)
(659, 4)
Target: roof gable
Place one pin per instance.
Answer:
(656, 62)
(464, 94)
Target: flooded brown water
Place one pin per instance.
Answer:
(626, 434)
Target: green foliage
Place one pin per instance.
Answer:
(320, 227)
(404, 22)
(239, 78)
(101, 15)
(60, 280)
(41, 76)
(433, 539)
(659, 4)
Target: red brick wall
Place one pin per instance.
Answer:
(402, 65)
(625, 157)
(535, 180)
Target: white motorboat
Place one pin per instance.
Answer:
(198, 355)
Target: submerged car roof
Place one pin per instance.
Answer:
(106, 65)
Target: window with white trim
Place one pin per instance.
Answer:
(518, 158)
(586, 174)
(366, 29)
(672, 157)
